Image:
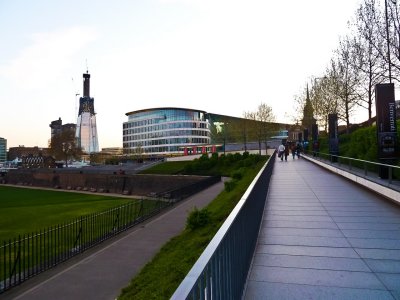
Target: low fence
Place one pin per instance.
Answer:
(31, 254)
(221, 270)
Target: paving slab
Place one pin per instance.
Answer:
(304, 241)
(324, 237)
(311, 262)
(272, 290)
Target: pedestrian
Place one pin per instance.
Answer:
(298, 150)
(281, 151)
(293, 149)
(286, 151)
(315, 148)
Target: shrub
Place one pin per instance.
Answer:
(229, 185)
(237, 175)
(188, 169)
(197, 218)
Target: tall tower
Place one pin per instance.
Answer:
(86, 129)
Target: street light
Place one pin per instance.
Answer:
(225, 138)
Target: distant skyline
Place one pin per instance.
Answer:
(220, 56)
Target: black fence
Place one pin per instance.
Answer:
(31, 254)
(221, 270)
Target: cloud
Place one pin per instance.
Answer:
(49, 52)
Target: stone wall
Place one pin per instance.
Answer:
(140, 185)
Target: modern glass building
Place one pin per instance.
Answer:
(165, 130)
(86, 128)
(3, 149)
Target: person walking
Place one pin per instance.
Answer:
(281, 151)
(298, 150)
(286, 151)
(293, 149)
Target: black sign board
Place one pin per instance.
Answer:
(386, 121)
(333, 135)
(305, 131)
(314, 131)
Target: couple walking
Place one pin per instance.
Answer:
(283, 151)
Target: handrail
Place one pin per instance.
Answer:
(221, 270)
(382, 173)
(356, 159)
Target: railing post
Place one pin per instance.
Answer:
(390, 174)
(365, 168)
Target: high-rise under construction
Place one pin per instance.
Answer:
(86, 129)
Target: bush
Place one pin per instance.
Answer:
(229, 185)
(188, 169)
(237, 175)
(197, 218)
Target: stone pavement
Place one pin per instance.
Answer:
(101, 272)
(324, 237)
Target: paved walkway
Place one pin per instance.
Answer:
(323, 237)
(101, 273)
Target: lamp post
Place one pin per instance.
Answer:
(225, 137)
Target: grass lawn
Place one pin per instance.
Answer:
(167, 168)
(24, 210)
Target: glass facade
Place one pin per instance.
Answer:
(86, 129)
(165, 130)
(86, 133)
(3, 149)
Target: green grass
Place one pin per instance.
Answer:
(24, 210)
(224, 165)
(160, 277)
(167, 168)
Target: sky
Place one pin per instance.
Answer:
(221, 56)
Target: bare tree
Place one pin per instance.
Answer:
(323, 96)
(383, 19)
(263, 124)
(255, 130)
(346, 79)
(392, 27)
(368, 46)
(266, 117)
(63, 146)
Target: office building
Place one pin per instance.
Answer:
(165, 130)
(3, 149)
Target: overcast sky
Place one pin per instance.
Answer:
(224, 57)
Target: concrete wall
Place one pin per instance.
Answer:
(141, 185)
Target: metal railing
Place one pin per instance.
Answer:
(221, 271)
(360, 167)
(31, 254)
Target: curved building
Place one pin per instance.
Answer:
(165, 130)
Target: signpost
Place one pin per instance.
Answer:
(333, 137)
(386, 126)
